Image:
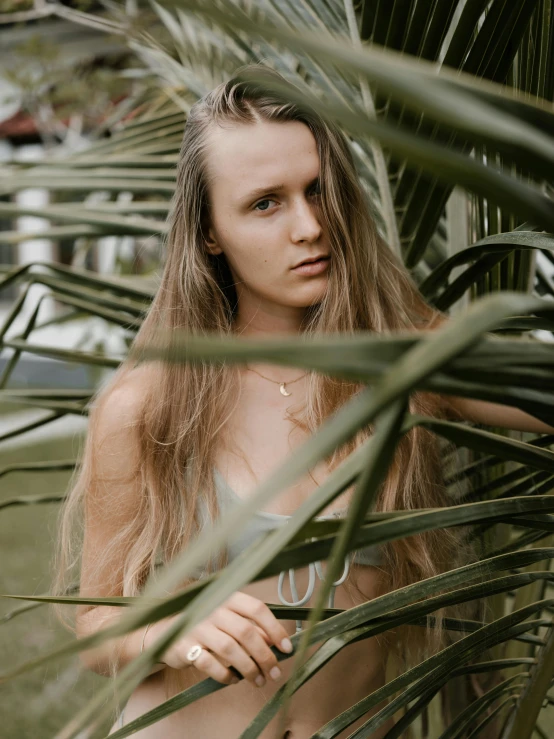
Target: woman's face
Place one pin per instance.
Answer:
(264, 194)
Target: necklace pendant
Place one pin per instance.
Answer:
(283, 390)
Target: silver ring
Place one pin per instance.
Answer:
(194, 652)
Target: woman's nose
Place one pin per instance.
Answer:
(305, 224)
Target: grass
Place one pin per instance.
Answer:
(37, 704)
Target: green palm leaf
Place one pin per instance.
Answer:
(433, 95)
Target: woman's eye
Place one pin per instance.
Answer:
(316, 190)
(261, 202)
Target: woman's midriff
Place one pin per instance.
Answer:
(357, 670)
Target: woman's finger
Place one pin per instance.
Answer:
(211, 666)
(250, 607)
(249, 636)
(223, 645)
(262, 633)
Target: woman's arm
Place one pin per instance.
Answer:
(496, 414)
(111, 501)
(128, 647)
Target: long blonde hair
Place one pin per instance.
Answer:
(369, 289)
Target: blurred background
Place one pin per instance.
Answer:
(59, 83)
(93, 100)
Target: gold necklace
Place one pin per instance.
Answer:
(282, 385)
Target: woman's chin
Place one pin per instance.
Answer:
(313, 299)
(318, 291)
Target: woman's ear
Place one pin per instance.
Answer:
(211, 243)
(209, 237)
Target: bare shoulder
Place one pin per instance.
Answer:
(123, 400)
(115, 418)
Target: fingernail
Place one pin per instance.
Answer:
(260, 681)
(286, 645)
(275, 673)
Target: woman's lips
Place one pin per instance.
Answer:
(312, 268)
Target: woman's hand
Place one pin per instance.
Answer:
(237, 634)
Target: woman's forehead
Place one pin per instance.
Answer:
(249, 156)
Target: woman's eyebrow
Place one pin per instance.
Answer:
(265, 190)
(259, 191)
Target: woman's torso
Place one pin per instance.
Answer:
(265, 437)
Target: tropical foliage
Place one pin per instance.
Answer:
(434, 96)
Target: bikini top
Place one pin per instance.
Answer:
(265, 521)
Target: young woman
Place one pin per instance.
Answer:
(263, 188)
